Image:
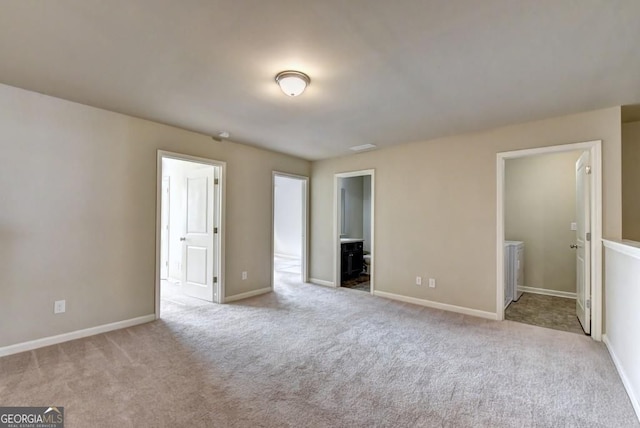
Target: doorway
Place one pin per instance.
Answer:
(189, 233)
(549, 221)
(540, 240)
(354, 265)
(289, 229)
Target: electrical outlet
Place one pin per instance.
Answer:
(244, 275)
(418, 280)
(432, 283)
(59, 306)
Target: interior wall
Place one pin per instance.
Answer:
(622, 276)
(436, 205)
(288, 216)
(353, 209)
(540, 205)
(631, 181)
(78, 221)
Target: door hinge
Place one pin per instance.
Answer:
(587, 170)
(588, 236)
(216, 181)
(215, 279)
(588, 303)
(215, 230)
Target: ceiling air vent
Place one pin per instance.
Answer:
(363, 147)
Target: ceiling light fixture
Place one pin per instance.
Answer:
(292, 83)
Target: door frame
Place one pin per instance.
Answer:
(220, 258)
(305, 222)
(337, 224)
(595, 149)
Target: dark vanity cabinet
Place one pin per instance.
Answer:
(352, 261)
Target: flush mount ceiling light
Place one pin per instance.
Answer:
(292, 83)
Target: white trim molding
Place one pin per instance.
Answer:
(248, 294)
(629, 248)
(436, 305)
(546, 292)
(635, 401)
(78, 334)
(322, 282)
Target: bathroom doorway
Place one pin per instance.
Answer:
(354, 230)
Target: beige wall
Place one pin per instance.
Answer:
(631, 181)
(435, 213)
(540, 205)
(78, 192)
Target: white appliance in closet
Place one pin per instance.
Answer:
(513, 271)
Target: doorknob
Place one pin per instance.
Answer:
(573, 246)
(182, 238)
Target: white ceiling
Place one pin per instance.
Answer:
(383, 72)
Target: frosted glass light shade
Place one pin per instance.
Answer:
(292, 83)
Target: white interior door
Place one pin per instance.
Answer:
(198, 241)
(164, 229)
(583, 242)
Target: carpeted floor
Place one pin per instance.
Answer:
(309, 356)
(545, 311)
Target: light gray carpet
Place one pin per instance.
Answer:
(308, 356)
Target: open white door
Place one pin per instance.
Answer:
(198, 242)
(583, 242)
(164, 229)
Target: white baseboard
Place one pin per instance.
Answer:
(437, 305)
(322, 282)
(247, 295)
(78, 334)
(544, 291)
(635, 401)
